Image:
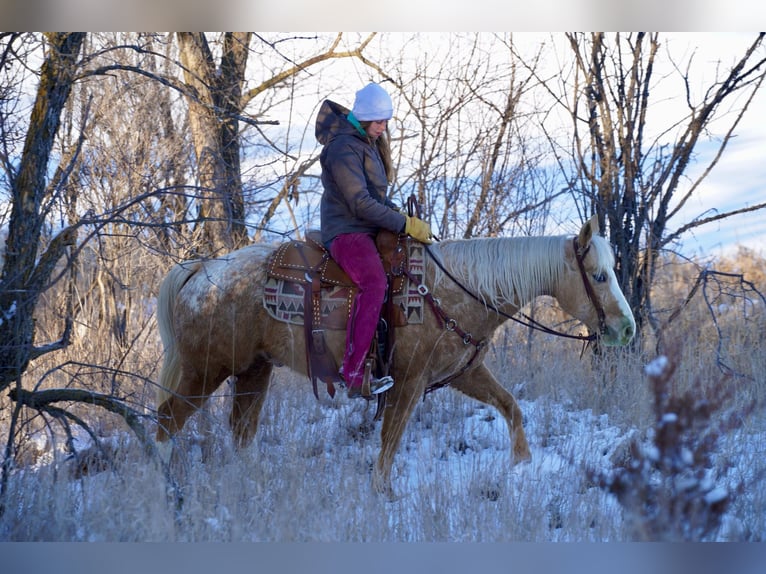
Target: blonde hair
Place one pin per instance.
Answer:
(384, 149)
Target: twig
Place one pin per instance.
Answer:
(41, 401)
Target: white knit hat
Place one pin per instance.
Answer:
(372, 103)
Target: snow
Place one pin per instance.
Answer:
(454, 460)
(716, 495)
(657, 366)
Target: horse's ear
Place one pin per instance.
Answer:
(587, 232)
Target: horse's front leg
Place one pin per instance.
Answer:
(481, 385)
(400, 402)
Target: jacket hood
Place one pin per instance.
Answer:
(331, 122)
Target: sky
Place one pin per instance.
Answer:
(738, 179)
(736, 182)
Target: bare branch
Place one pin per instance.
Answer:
(304, 65)
(670, 237)
(41, 400)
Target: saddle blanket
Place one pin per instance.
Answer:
(285, 300)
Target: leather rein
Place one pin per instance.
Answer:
(451, 324)
(528, 321)
(414, 209)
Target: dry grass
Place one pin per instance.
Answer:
(670, 487)
(307, 476)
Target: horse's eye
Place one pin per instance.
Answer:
(600, 277)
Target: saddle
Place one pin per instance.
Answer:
(309, 264)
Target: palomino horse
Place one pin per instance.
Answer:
(213, 326)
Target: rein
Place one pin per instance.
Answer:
(413, 208)
(528, 321)
(451, 324)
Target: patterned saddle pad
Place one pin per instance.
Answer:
(284, 298)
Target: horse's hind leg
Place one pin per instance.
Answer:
(482, 386)
(250, 392)
(189, 397)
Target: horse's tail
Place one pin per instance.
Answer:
(170, 375)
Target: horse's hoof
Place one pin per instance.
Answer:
(519, 458)
(382, 487)
(389, 494)
(393, 497)
(521, 461)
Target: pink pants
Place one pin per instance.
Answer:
(357, 255)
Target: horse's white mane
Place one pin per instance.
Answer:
(511, 269)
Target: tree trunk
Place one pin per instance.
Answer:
(213, 111)
(24, 276)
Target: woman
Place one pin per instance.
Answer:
(356, 171)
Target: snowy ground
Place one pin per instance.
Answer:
(307, 478)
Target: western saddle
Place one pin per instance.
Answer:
(309, 264)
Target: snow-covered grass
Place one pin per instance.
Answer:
(307, 475)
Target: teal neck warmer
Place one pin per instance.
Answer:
(355, 122)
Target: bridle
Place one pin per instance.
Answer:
(528, 321)
(451, 324)
(580, 257)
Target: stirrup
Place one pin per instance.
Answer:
(376, 387)
(381, 385)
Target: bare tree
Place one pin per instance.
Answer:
(214, 109)
(132, 184)
(463, 136)
(632, 179)
(26, 270)
(222, 94)
(30, 260)
(80, 170)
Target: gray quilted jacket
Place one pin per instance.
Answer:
(354, 179)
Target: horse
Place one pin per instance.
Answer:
(213, 326)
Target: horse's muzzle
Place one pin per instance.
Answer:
(620, 336)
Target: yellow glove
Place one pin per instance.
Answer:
(418, 229)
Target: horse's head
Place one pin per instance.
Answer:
(589, 291)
